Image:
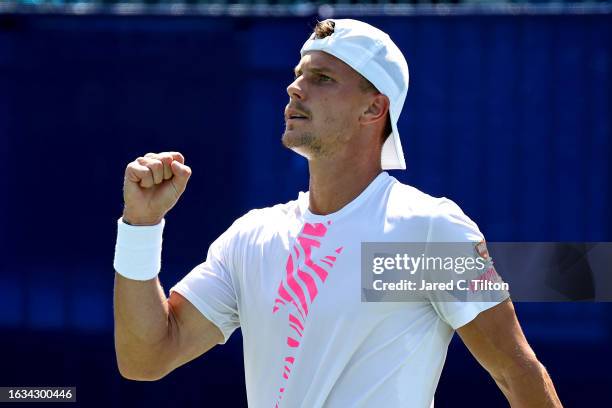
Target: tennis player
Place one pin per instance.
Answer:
(289, 275)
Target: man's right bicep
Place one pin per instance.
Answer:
(191, 334)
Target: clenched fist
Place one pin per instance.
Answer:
(152, 186)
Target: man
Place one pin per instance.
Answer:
(289, 275)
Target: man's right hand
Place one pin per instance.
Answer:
(152, 186)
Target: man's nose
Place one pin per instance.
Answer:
(295, 89)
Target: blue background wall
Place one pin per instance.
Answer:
(510, 116)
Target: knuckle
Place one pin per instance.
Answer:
(143, 173)
(155, 164)
(132, 167)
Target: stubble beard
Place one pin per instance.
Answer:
(304, 143)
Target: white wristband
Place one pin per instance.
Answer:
(138, 250)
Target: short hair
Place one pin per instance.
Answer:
(326, 28)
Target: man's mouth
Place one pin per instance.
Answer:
(294, 114)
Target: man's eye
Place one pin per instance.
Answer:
(324, 78)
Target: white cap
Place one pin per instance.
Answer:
(373, 54)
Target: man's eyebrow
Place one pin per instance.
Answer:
(316, 70)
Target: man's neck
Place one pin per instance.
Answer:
(333, 185)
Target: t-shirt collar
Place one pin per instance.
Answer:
(302, 200)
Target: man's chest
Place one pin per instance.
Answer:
(295, 271)
(311, 277)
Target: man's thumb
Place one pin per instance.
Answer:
(181, 174)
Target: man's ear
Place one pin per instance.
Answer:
(376, 111)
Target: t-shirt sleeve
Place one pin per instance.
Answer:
(450, 225)
(210, 288)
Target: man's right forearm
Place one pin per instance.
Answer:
(145, 327)
(142, 327)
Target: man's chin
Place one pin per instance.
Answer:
(303, 144)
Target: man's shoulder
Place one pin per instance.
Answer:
(408, 202)
(409, 199)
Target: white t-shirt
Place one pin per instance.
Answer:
(292, 281)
